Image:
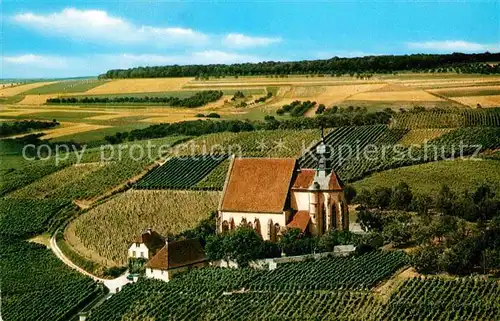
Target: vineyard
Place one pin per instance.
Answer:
(293, 291)
(437, 299)
(53, 184)
(27, 217)
(108, 228)
(246, 294)
(180, 172)
(37, 286)
(458, 143)
(421, 136)
(447, 118)
(459, 175)
(352, 273)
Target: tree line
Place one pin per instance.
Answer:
(296, 108)
(197, 100)
(450, 232)
(335, 66)
(19, 127)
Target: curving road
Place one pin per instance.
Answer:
(114, 285)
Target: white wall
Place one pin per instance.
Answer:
(135, 250)
(301, 200)
(157, 274)
(250, 217)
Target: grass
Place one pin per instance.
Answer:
(469, 92)
(459, 175)
(11, 99)
(70, 86)
(94, 136)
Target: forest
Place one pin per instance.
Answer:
(458, 62)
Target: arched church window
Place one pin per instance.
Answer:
(277, 232)
(256, 224)
(225, 226)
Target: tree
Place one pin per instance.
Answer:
(381, 197)
(350, 193)
(333, 238)
(422, 204)
(401, 197)
(294, 242)
(445, 201)
(425, 259)
(370, 220)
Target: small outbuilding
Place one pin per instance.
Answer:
(146, 245)
(175, 257)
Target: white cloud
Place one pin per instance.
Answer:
(36, 60)
(453, 45)
(238, 40)
(98, 26)
(38, 66)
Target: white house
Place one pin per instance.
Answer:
(146, 245)
(273, 194)
(175, 257)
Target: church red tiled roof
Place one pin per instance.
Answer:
(305, 178)
(258, 185)
(300, 220)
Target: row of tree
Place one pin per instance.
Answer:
(19, 127)
(335, 65)
(197, 100)
(480, 205)
(296, 108)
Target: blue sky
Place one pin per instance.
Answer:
(79, 38)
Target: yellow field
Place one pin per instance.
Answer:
(169, 119)
(139, 86)
(411, 95)
(69, 130)
(7, 92)
(484, 101)
(36, 99)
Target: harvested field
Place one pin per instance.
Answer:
(70, 129)
(36, 99)
(411, 95)
(140, 85)
(484, 101)
(6, 92)
(169, 119)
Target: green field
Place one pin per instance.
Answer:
(69, 86)
(470, 92)
(178, 94)
(459, 175)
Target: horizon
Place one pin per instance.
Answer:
(69, 39)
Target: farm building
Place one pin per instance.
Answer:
(166, 258)
(146, 245)
(176, 257)
(271, 195)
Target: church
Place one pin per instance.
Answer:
(272, 195)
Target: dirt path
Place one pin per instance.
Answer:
(114, 285)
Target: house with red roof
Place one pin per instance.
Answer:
(166, 258)
(271, 195)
